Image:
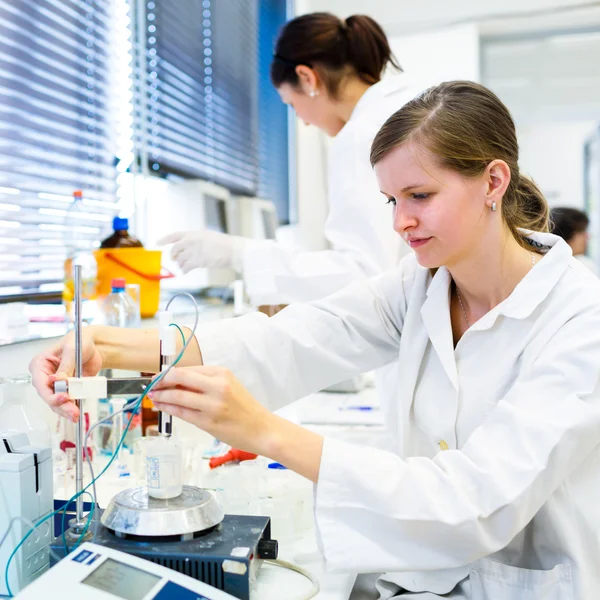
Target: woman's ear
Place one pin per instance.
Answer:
(309, 80)
(497, 179)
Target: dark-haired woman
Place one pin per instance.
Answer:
(330, 71)
(571, 224)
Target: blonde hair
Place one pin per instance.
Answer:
(465, 126)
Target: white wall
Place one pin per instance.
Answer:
(311, 180)
(311, 157)
(406, 16)
(436, 56)
(552, 154)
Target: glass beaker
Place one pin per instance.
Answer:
(163, 468)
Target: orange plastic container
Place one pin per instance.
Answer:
(135, 265)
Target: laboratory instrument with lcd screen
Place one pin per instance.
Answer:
(96, 572)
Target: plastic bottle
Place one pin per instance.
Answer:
(120, 237)
(79, 252)
(118, 309)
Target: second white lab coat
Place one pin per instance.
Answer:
(495, 470)
(359, 226)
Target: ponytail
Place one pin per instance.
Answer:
(528, 210)
(335, 48)
(368, 49)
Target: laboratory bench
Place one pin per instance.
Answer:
(326, 413)
(353, 417)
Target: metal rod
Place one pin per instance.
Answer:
(79, 432)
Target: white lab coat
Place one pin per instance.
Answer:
(513, 503)
(359, 226)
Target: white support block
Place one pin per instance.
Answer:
(87, 388)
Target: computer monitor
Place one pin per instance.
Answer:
(269, 219)
(215, 214)
(190, 205)
(257, 218)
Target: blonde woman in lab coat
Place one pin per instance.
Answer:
(491, 489)
(329, 70)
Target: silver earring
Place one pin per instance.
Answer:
(494, 207)
(312, 93)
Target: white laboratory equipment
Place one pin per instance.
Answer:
(189, 533)
(18, 411)
(257, 217)
(96, 572)
(25, 497)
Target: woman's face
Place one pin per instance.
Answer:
(312, 110)
(441, 215)
(579, 242)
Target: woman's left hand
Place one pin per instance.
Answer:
(214, 400)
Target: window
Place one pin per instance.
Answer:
(58, 133)
(71, 117)
(200, 89)
(273, 118)
(206, 88)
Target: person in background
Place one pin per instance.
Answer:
(571, 224)
(330, 71)
(490, 488)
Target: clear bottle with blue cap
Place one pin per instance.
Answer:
(118, 308)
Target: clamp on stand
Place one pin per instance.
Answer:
(81, 388)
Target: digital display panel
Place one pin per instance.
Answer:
(121, 580)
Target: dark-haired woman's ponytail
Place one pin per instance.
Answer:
(369, 51)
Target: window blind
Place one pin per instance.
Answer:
(59, 131)
(201, 90)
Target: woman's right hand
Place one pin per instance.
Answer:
(58, 362)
